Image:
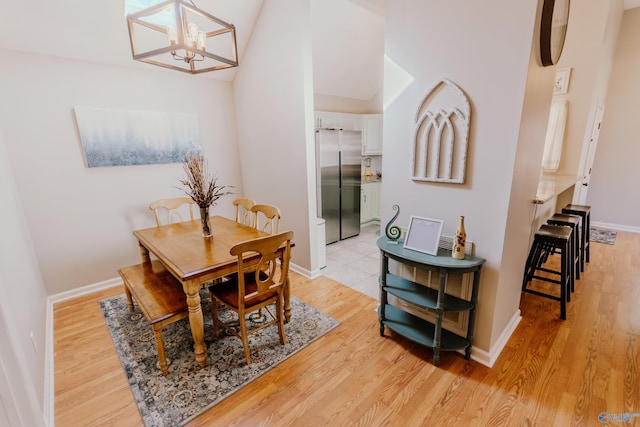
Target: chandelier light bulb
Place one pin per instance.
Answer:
(172, 34)
(192, 34)
(202, 40)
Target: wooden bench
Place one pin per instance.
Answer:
(160, 297)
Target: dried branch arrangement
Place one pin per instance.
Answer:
(200, 185)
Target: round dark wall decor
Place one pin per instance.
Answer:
(553, 29)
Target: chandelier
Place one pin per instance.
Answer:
(177, 35)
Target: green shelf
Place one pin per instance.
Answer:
(416, 328)
(420, 330)
(423, 295)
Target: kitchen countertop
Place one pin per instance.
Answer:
(550, 186)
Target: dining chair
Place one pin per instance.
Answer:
(243, 211)
(166, 210)
(259, 289)
(159, 296)
(270, 215)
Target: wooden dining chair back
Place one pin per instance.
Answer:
(256, 286)
(168, 211)
(266, 218)
(243, 211)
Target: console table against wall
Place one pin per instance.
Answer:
(415, 328)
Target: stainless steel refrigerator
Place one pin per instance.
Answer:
(338, 157)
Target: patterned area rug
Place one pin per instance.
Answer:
(603, 236)
(188, 391)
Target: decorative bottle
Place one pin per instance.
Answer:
(459, 240)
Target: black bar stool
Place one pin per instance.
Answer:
(572, 221)
(550, 238)
(585, 213)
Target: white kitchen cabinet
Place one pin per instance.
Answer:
(364, 213)
(369, 202)
(375, 199)
(345, 121)
(371, 134)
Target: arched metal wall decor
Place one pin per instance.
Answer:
(442, 135)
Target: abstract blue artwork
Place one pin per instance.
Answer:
(117, 138)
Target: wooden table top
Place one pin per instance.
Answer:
(182, 248)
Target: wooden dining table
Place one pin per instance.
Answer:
(194, 259)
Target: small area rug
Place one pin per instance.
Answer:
(603, 236)
(188, 390)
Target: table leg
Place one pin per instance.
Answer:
(384, 269)
(192, 289)
(286, 295)
(437, 339)
(144, 254)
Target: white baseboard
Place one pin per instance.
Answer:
(83, 290)
(616, 227)
(305, 272)
(48, 410)
(489, 358)
(500, 344)
(49, 398)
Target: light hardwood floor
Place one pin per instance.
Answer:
(551, 373)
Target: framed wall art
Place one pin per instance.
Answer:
(423, 234)
(561, 84)
(118, 137)
(441, 137)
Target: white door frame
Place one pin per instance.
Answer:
(581, 195)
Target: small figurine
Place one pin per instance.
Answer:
(393, 232)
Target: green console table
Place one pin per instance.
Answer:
(413, 327)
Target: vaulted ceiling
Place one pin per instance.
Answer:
(347, 36)
(348, 47)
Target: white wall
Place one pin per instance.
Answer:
(322, 102)
(613, 188)
(81, 219)
(348, 55)
(521, 223)
(274, 107)
(22, 304)
(588, 51)
(432, 40)
(348, 59)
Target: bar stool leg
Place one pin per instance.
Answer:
(532, 261)
(585, 230)
(588, 236)
(564, 295)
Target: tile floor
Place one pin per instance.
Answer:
(355, 262)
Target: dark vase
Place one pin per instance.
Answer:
(204, 217)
